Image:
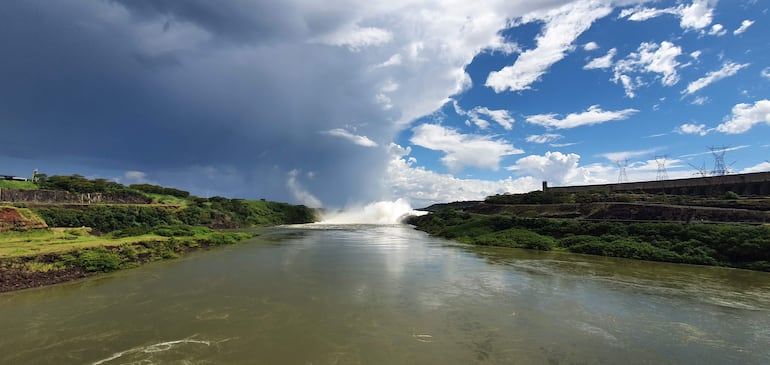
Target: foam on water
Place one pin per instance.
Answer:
(382, 212)
(149, 349)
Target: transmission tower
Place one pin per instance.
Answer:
(700, 170)
(720, 169)
(662, 173)
(622, 176)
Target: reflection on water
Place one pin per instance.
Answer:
(324, 294)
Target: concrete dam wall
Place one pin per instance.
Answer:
(757, 183)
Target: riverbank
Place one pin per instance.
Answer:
(731, 245)
(61, 261)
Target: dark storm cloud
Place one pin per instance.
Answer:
(161, 87)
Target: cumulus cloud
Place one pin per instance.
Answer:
(696, 16)
(355, 139)
(462, 150)
(717, 30)
(594, 115)
(241, 86)
(590, 46)
(728, 69)
(602, 62)
(544, 138)
(760, 167)
(424, 187)
(765, 72)
(562, 26)
(554, 167)
(135, 177)
(744, 25)
(689, 128)
(501, 117)
(745, 116)
(649, 58)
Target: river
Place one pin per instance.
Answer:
(387, 294)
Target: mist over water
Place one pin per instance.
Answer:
(381, 212)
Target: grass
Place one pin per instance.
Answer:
(63, 240)
(162, 199)
(59, 240)
(22, 185)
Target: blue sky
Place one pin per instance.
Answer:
(351, 102)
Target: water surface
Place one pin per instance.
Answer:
(323, 294)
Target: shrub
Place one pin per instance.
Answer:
(96, 259)
(520, 238)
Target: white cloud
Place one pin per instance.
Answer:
(544, 138)
(135, 177)
(624, 155)
(709, 152)
(562, 26)
(354, 138)
(356, 38)
(649, 58)
(594, 115)
(590, 46)
(561, 145)
(501, 117)
(728, 69)
(700, 100)
(765, 72)
(745, 116)
(423, 187)
(463, 150)
(688, 128)
(640, 14)
(554, 167)
(697, 15)
(760, 167)
(299, 193)
(602, 62)
(695, 54)
(717, 30)
(394, 60)
(744, 25)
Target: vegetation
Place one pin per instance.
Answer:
(740, 246)
(21, 185)
(90, 238)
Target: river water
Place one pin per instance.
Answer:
(321, 294)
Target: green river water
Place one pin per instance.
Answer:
(321, 294)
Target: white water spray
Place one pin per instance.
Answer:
(382, 212)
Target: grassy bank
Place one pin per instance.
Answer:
(741, 246)
(43, 257)
(128, 226)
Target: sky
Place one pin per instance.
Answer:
(338, 103)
